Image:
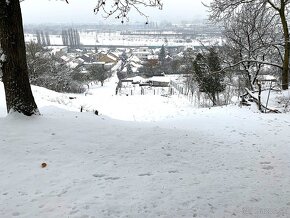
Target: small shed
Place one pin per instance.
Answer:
(159, 81)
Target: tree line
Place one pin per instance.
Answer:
(71, 38)
(43, 38)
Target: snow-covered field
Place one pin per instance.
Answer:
(185, 162)
(115, 38)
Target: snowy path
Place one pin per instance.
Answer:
(98, 167)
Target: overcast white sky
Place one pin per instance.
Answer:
(81, 11)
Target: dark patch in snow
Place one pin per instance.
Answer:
(112, 178)
(173, 171)
(265, 162)
(268, 168)
(145, 174)
(99, 175)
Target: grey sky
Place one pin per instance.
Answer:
(81, 11)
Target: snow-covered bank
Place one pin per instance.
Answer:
(218, 162)
(2, 101)
(98, 167)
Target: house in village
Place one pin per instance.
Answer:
(135, 64)
(107, 58)
(58, 51)
(153, 60)
(85, 60)
(142, 53)
(75, 63)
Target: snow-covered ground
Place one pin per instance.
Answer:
(185, 162)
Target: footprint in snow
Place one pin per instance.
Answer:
(255, 199)
(173, 171)
(74, 212)
(112, 178)
(265, 162)
(99, 175)
(145, 174)
(267, 167)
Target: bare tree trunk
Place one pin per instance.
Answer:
(282, 10)
(285, 69)
(14, 67)
(212, 98)
(259, 96)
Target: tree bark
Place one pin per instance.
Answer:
(14, 66)
(285, 70)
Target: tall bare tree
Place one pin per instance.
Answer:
(13, 62)
(251, 34)
(224, 9)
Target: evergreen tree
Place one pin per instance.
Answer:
(98, 73)
(208, 74)
(129, 70)
(47, 38)
(43, 39)
(162, 55)
(124, 59)
(64, 36)
(38, 37)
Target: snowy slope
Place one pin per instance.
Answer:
(218, 162)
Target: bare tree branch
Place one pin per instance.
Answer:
(121, 8)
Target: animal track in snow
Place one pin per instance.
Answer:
(266, 165)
